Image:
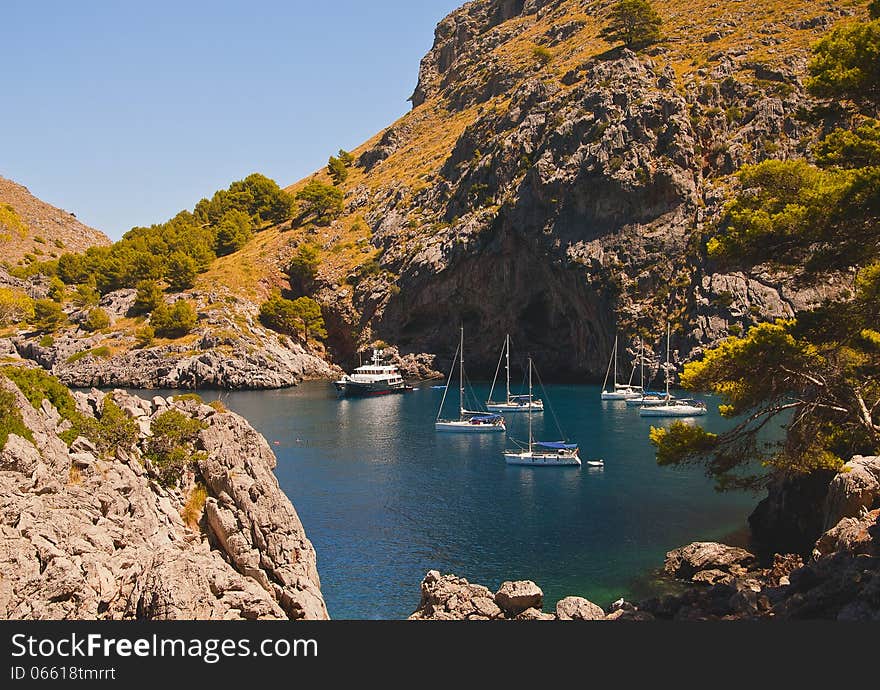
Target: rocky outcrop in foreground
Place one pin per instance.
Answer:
(841, 581)
(86, 534)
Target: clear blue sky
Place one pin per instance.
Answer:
(126, 112)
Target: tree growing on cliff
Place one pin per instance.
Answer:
(233, 232)
(303, 268)
(301, 316)
(819, 374)
(337, 170)
(171, 447)
(181, 272)
(321, 200)
(147, 297)
(48, 315)
(635, 23)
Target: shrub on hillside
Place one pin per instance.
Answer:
(97, 320)
(48, 315)
(15, 307)
(175, 321)
(147, 298)
(303, 268)
(171, 446)
(321, 200)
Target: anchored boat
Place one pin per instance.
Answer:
(469, 421)
(512, 403)
(373, 379)
(672, 407)
(620, 391)
(542, 453)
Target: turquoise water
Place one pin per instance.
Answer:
(384, 498)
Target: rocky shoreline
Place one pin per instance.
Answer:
(839, 580)
(89, 532)
(93, 531)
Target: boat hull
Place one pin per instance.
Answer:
(542, 460)
(468, 428)
(502, 407)
(645, 402)
(349, 389)
(672, 411)
(620, 395)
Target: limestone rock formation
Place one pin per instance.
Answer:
(86, 534)
(857, 487)
(706, 556)
(228, 349)
(567, 195)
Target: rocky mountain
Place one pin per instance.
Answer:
(32, 229)
(556, 186)
(546, 183)
(89, 529)
(840, 580)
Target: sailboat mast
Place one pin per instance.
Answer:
(642, 362)
(615, 361)
(668, 335)
(508, 368)
(461, 377)
(530, 405)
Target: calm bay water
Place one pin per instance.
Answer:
(384, 498)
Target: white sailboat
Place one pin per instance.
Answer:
(543, 453)
(620, 391)
(512, 403)
(646, 399)
(468, 422)
(672, 407)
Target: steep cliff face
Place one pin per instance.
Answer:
(556, 187)
(87, 533)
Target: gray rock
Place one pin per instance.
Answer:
(19, 455)
(111, 544)
(447, 597)
(83, 445)
(534, 615)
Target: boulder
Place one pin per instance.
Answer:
(578, 609)
(19, 455)
(855, 488)
(447, 597)
(515, 597)
(689, 560)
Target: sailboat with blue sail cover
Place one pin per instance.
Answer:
(542, 453)
(469, 421)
